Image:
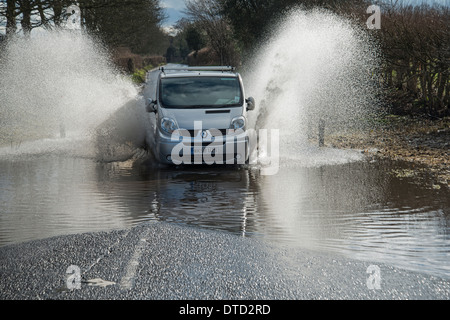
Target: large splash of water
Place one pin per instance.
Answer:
(316, 66)
(56, 89)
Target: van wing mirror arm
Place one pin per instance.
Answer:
(152, 106)
(250, 103)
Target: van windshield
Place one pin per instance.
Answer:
(193, 92)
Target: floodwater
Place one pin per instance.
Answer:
(369, 210)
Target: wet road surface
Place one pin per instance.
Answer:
(164, 261)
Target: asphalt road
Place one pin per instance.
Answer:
(163, 261)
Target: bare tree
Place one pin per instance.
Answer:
(10, 14)
(132, 23)
(209, 17)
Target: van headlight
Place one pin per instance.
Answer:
(168, 125)
(238, 123)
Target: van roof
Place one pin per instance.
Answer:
(184, 71)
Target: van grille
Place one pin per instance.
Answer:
(194, 133)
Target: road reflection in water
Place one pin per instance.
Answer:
(366, 210)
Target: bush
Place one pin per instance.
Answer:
(139, 76)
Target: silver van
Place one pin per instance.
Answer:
(201, 116)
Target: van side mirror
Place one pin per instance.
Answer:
(151, 106)
(250, 103)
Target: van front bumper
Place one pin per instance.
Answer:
(229, 149)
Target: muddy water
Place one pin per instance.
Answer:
(380, 211)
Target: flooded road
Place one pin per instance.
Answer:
(67, 167)
(368, 210)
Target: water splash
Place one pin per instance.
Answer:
(58, 84)
(315, 66)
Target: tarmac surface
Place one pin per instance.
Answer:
(163, 261)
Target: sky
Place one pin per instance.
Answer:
(174, 10)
